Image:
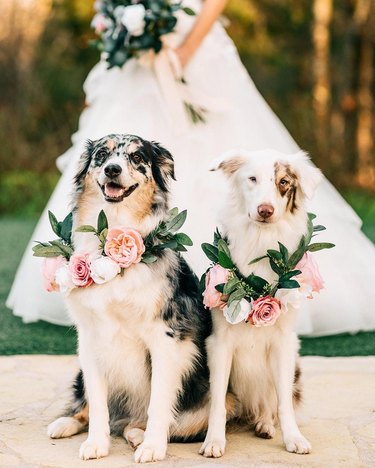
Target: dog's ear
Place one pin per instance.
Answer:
(229, 162)
(309, 176)
(84, 164)
(162, 164)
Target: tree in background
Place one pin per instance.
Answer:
(312, 60)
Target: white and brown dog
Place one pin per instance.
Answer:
(141, 335)
(265, 205)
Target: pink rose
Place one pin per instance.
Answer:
(79, 266)
(265, 311)
(310, 278)
(211, 296)
(49, 268)
(100, 23)
(124, 246)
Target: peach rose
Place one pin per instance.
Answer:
(212, 297)
(79, 266)
(49, 268)
(124, 246)
(265, 311)
(310, 279)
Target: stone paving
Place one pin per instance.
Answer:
(339, 420)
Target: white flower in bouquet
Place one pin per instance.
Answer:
(104, 269)
(133, 18)
(63, 278)
(237, 312)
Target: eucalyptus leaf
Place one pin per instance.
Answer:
(256, 282)
(183, 239)
(168, 245)
(149, 258)
(174, 224)
(275, 267)
(66, 228)
(223, 247)
(210, 251)
(231, 285)
(51, 251)
(189, 11)
(289, 274)
(311, 216)
(319, 227)
(173, 212)
(54, 223)
(275, 254)
(236, 295)
(298, 254)
(289, 284)
(258, 259)
(284, 252)
(220, 287)
(102, 222)
(234, 308)
(85, 228)
(224, 260)
(320, 246)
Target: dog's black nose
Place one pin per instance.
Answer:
(265, 211)
(112, 170)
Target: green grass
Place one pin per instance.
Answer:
(41, 337)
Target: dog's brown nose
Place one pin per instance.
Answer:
(265, 211)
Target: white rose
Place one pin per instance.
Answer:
(64, 279)
(290, 298)
(104, 269)
(100, 23)
(133, 18)
(242, 312)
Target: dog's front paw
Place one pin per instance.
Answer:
(150, 452)
(297, 444)
(64, 427)
(265, 430)
(213, 448)
(134, 437)
(94, 448)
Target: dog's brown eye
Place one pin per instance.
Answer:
(252, 179)
(136, 158)
(283, 182)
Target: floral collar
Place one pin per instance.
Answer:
(119, 249)
(253, 299)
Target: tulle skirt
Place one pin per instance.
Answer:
(132, 100)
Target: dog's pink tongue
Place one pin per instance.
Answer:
(112, 191)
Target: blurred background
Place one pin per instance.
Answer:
(313, 61)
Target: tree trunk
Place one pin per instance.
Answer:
(322, 10)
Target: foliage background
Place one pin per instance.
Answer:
(313, 60)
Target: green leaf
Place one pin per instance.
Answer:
(173, 212)
(231, 285)
(149, 258)
(202, 282)
(180, 248)
(275, 267)
(320, 246)
(236, 295)
(275, 254)
(66, 250)
(210, 251)
(311, 216)
(290, 274)
(55, 225)
(298, 254)
(188, 11)
(223, 247)
(256, 282)
(50, 251)
(168, 245)
(234, 309)
(66, 228)
(183, 239)
(284, 252)
(288, 284)
(173, 225)
(86, 228)
(102, 222)
(220, 287)
(319, 227)
(258, 259)
(224, 260)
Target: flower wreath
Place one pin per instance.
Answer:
(253, 299)
(119, 249)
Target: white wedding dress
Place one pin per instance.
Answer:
(133, 100)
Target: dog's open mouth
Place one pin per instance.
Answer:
(115, 192)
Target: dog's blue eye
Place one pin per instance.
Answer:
(253, 179)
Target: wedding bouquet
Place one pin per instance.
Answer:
(129, 27)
